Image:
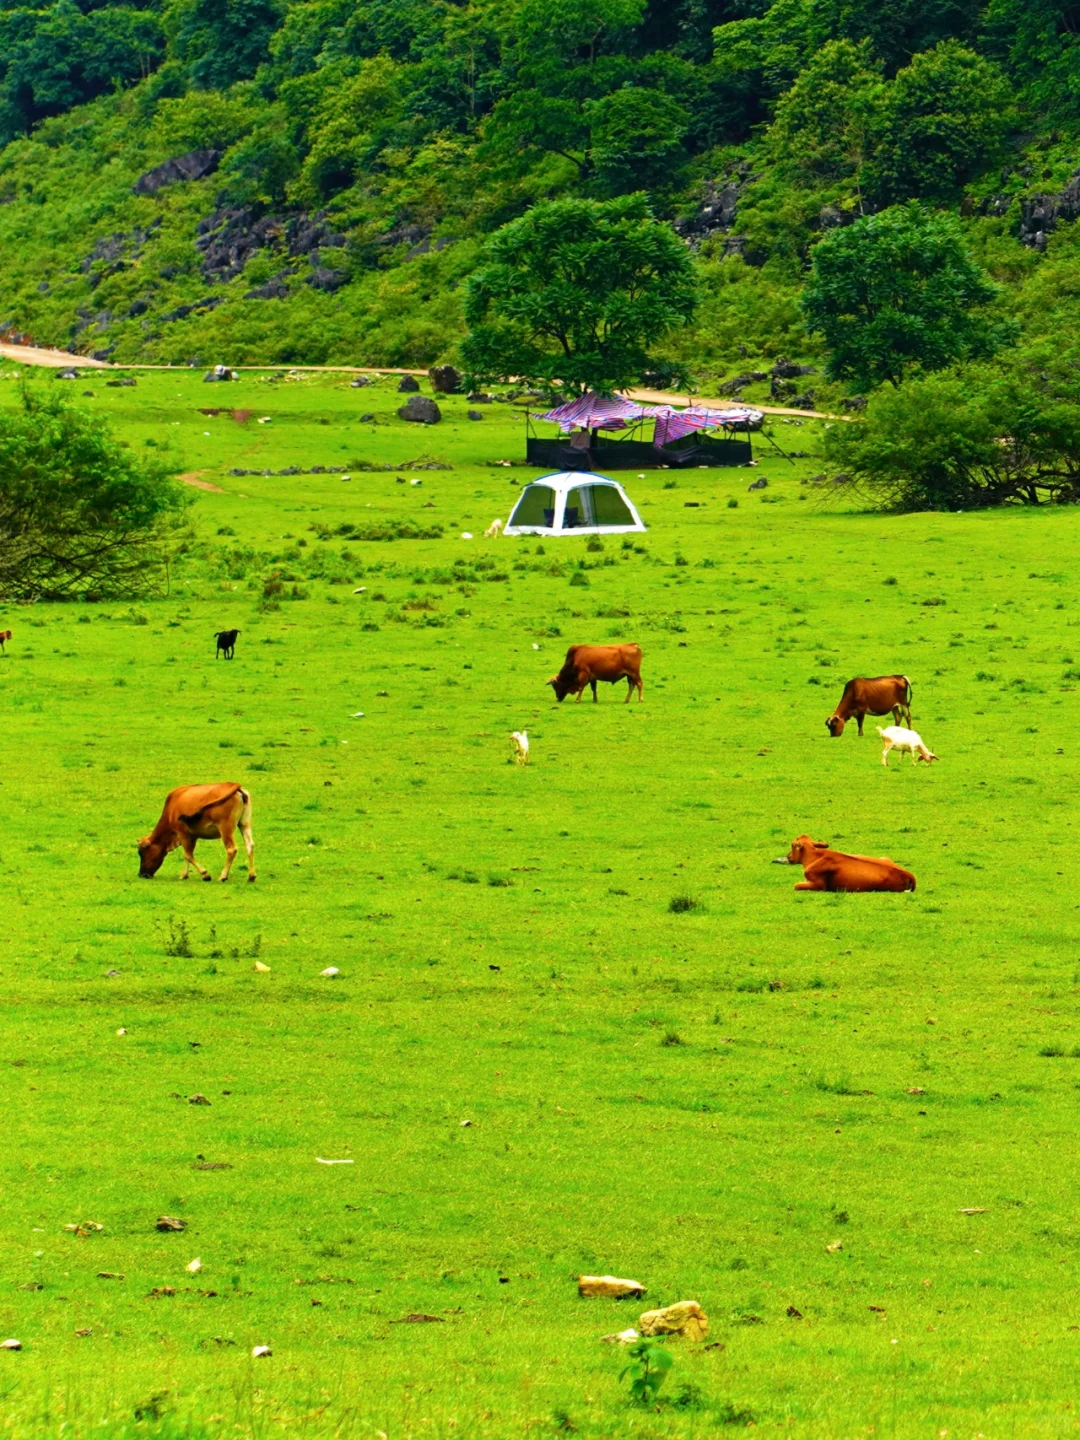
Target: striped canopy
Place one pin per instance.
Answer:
(595, 412)
(673, 424)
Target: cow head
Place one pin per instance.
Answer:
(802, 852)
(834, 725)
(150, 857)
(561, 685)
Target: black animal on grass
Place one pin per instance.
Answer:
(226, 643)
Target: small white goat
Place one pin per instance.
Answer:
(494, 530)
(895, 737)
(519, 739)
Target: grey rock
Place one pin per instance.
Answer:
(360, 382)
(739, 382)
(408, 385)
(138, 307)
(369, 416)
(477, 397)
(853, 402)
(420, 409)
(715, 212)
(832, 217)
(784, 369)
(445, 379)
(803, 402)
(68, 375)
(473, 415)
(327, 280)
(195, 165)
(272, 290)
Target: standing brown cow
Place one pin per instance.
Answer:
(825, 869)
(5, 636)
(200, 812)
(586, 664)
(885, 695)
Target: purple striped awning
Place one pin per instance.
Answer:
(595, 412)
(673, 424)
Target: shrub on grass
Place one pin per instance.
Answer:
(681, 904)
(79, 513)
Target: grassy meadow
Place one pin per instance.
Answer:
(706, 1099)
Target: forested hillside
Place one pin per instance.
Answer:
(248, 180)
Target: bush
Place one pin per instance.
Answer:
(79, 513)
(950, 442)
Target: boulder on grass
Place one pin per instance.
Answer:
(685, 1317)
(445, 379)
(421, 410)
(610, 1286)
(408, 385)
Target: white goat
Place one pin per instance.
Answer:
(494, 530)
(895, 737)
(519, 739)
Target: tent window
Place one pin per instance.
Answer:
(536, 507)
(579, 509)
(608, 506)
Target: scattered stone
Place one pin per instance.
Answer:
(327, 280)
(973, 1210)
(84, 1228)
(464, 1123)
(802, 402)
(68, 375)
(261, 968)
(260, 1352)
(785, 370)
(219, 373)
(624, 1337)
(792, 1313)
(170, 1222)
(478, 397)
(408, 385)
(685, 1317)
(421, 410)
(473, 415)
(916, 1090)
(10, 1344)
(160, 1290)
(121, 1031)
(853, 402)
(610, 1286)
(331, 972)
(89, 1330)
(368, 416)
(360, 382)
(195, 165)
(272, 290)
(835, 1247)
(109, 1275)
(445, 379)
(419, 1318)
(198, 1099)
(193, 1266)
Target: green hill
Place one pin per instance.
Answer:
(312, 182)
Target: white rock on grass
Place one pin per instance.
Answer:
(610, 1286)
(260, 1352)
(10, 1344)
(330, 973)
(193, 1266)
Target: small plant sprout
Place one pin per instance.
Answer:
(648, 1367)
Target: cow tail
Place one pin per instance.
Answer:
(911, 885)
(907, 697)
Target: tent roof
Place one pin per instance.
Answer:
(561, 484)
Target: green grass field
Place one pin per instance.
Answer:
(704, 1100)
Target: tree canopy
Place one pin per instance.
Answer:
(900, 291)
(79, 514)
(577, 295)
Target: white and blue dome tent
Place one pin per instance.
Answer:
(574, 502)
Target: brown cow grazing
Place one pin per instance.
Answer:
(825, 869)
(5, 636)
(885, 695)
(199, 812)
(586, 664)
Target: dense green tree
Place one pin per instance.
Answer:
(940, 122)
(823, 123)
(79, 514)
(897, 292)
(953, 442)
(221, 41)
(53, 59)
(575, 296)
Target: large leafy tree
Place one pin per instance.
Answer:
(941, 121)
(576, 294)
(823, 123)
(79, 514)
(899, 291)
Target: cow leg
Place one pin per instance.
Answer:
(249, 846)
(228, 839)
(860, 718)
(885, 754)
(593, 684)
(188, 848)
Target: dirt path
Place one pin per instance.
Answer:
(192, 478)
(55, 359)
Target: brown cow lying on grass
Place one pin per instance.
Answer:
(199, 812)
(586, 664)
(825, 869)
(884, 695)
